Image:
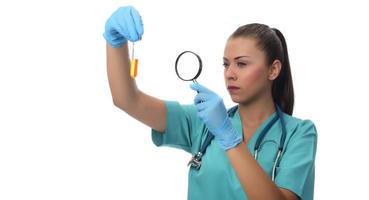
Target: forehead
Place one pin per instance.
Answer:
(242, 46)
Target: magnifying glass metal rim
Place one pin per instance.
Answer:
(198, 72)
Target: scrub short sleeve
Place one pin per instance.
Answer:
(181, 127)
(296, 167)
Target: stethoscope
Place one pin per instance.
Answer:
(195, 162)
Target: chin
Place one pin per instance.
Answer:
(240, 100)
(236, 99)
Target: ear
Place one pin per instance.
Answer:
(274, 70)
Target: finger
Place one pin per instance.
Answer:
(201, 98)
(200, 88)
(118, 21)
(202, 106)
(203, 116)
(137, 19)
(130, 26)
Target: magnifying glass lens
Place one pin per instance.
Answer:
(188, 66)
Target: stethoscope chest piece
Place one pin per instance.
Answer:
(195, 162)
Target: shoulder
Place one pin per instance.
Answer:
(301, 137)
(299, 127)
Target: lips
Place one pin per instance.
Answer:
(231, 87)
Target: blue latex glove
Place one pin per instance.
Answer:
(124, 24)
(211, 110)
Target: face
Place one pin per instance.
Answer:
(246, 72)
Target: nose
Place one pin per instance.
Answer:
(229, 73)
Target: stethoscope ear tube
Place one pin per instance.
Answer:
(276, 163)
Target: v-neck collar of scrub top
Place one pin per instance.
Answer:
(237, 124)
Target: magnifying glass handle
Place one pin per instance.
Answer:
(194, 80)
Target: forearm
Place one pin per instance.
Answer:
(126, 96)
(123, 88)
(255, 182)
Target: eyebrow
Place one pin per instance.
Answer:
(238, 57)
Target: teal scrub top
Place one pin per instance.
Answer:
(216, 178)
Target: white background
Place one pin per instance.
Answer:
(62, 138)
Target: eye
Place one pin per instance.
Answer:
(241, 64)
(225, 65)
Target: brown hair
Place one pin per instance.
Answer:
(272, 42)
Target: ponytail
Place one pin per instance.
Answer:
(282, 88)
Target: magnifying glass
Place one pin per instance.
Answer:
(188, 66)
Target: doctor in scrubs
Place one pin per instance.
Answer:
(257, 75)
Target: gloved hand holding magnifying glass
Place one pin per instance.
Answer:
(210, 107)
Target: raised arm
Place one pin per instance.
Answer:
(126, 24)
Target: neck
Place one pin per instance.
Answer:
(256, 112)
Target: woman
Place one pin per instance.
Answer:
(258, 77)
